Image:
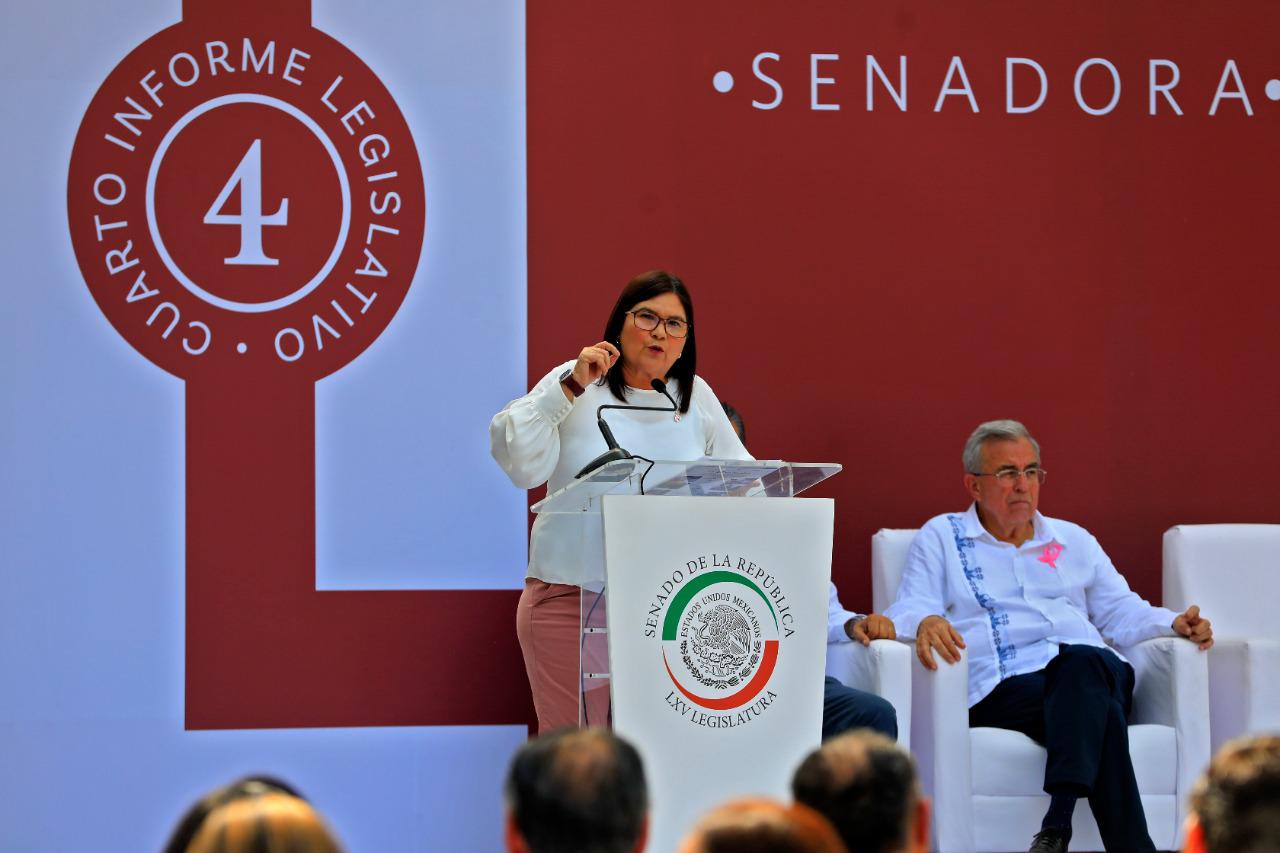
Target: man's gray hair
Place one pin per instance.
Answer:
(1005, 430)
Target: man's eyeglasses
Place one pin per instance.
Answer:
(648, 321)
(1011, 475)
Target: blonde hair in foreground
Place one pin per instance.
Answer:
(272, 823)
(762, 825)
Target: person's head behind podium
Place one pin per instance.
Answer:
(580, 790)
(735, 419)
(625, 329)
(1235, 805)
(866, 785)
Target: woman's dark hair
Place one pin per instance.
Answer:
(640, 288)
(249, 786)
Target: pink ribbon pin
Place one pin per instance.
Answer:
(1051, 553)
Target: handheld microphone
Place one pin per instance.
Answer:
(614, 453)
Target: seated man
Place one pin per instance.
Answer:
(1235, 807)
(845, 708)
(576, 789)
(867, 787)
(1035, 601)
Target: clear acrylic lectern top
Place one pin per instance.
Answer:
(698, 478)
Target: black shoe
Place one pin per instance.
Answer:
(1049, 841)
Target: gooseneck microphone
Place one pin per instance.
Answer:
(614, 453)
(661, 388)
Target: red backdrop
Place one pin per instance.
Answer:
(872, 284)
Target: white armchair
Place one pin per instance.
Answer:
(883, 668)
(996, 804)
(1233, 572)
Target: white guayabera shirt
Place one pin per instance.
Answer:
(1015, 606)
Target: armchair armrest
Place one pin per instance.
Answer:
(940, 736)
(883, 668)
(1244, 687)
(1172, 689)
(1171, 683)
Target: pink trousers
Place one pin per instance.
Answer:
(549, 628)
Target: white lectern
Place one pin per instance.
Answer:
(714, 639)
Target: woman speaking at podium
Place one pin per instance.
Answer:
(550, 434)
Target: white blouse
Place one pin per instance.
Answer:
(544, 437)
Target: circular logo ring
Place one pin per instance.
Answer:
(153, 225)
(764, 665)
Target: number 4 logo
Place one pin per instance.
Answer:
(248, 177)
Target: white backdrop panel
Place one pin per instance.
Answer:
(92, 446)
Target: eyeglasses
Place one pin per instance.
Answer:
(1010, 475)
(648, 321)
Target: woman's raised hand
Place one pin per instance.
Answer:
(594, 362)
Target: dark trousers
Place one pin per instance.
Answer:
(1077, 708)
(844, 708)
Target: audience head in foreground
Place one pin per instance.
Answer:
(1235, 807)
(270, 822)
(760, 825)
(867, 787)
(580, 790)
(244, 788)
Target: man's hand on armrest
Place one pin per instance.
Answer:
(1194, 627)
(864, 629)
(936, 632)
